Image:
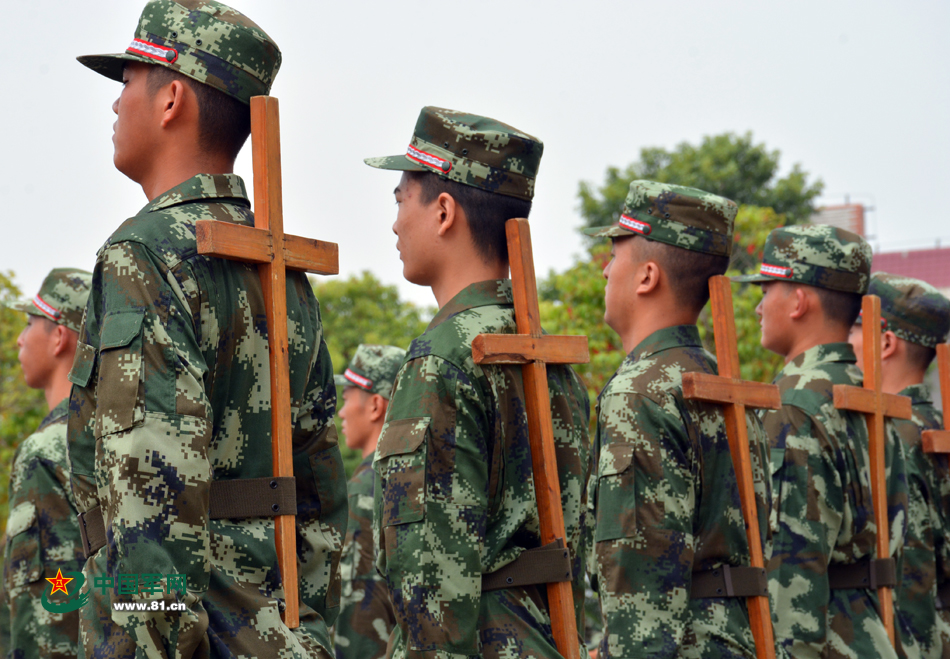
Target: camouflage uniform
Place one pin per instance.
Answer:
(455, 495)
(171, 396)
(916, 312)
(665, 495)
(822, 511)
(366, 612)
(42, 531)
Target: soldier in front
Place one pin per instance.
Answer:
(455, 502)
(669, 537)
(170, 418)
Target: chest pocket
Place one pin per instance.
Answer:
(119, 401)
(401, 463)
(616, 498)
(23, 564)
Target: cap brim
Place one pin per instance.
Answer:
(755, 279)
(399, 163)
(24, 305)
(341, 381)
(110, 65)
(612, 231)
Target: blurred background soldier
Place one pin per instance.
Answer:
(366, 612)
(42, 531)
(916, 318)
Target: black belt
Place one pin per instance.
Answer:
(233, 499)
(548, 564)
(729, 581)
(943, 596)
(879, 573)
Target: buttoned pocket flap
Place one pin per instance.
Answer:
(120, 328)
(21, 518)
(22, 563)
(402, 436)
(83, 363)
(616, 497)
(615, 459)
(401, 465)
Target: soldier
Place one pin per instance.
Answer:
(42, 536)
(665, 496)
(823, 545)
(455, 504)
(366, 613)
(169, 424)
(917, 318)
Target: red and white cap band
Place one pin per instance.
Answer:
(634, 224)
(423, 158)
(41, 304)
(153, 50)
(775, 271)
(358, 379)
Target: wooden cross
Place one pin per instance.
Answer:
(267, 245)
(735, 395)
(534, 351)
(875, 405)
(938, 441)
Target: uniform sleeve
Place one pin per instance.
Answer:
(808, 504)
(431, 507)
(643, 533)
(153, 428)
(44, 539)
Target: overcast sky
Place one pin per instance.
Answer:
(857, 93)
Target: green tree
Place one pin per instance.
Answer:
(729, 165)
(361, 309)
(21, 408)
(572, 302)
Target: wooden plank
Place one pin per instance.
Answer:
(234, 241)
(521, 349)
(856, 399)
(316, 256)
(938, 441)
(735, 394)
(935, 441)
(719, 389)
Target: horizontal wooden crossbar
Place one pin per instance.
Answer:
(935, 441)
(316, 256)
(717, 389)
(522, 349)
(251, 244)
(859, 399)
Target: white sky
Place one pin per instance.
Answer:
(857, 92)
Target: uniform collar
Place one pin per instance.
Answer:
(481, 294)
(918, 394)
(57, 413)
(201, 186)
(817, 356)
(678, 336)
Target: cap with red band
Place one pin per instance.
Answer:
(62, 298)
(373, 369)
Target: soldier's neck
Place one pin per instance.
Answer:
(178, 166)
(897, 377)
(814, 334)
(58, 388)
(463, 272)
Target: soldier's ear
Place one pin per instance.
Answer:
(376, 408)
(803, 302)
(648, 277)
(449, 212)
(888, 344)
(174, 102)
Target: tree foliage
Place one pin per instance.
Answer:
(729, 165)
(361, 309)
(21, 408)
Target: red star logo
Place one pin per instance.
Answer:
(59, 582)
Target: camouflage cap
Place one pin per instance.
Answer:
(204, 40)
(62, 298)
(817, 255)
(470, 149)
(675, 215)
(914, 310)
(373, 369)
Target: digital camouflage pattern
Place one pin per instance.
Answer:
(42, 537)
(171, 392)
(817, 255)
(366, 612)
(914, 310)
(455, 495)
(822, 512)
(676, 215)
(470, 149)
(916, 595)
(204, 40)
(941, 464)
(373, 369)
(666, 504)
(62, 298)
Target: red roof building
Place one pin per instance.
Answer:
(931, 265)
